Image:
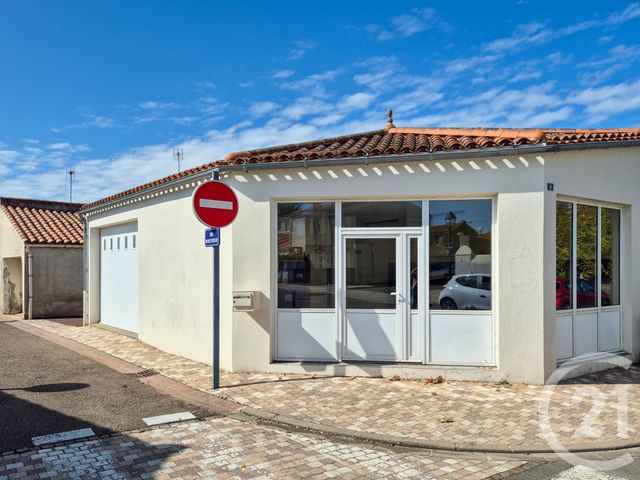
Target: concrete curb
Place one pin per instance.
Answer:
(220, 405)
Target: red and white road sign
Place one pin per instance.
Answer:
(215, 204)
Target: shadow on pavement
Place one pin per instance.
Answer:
(50, 388)
(118, 455)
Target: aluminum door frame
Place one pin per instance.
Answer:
(403, 311)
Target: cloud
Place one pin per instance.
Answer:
(536, 33)
(283, 74)
(527, 34)
(314, 84)
(90, 120)
(406, 25)
(204, 85)
(357, 101)
(260, 109)
(301, 47)
(59, 146)
(152, 105)
(602, 102)
(305, 106)
(210, 104)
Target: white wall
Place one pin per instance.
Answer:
(519, 237)
(175, 273)
(175, 267)
(604, 175)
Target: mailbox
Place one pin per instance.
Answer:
(246, 301)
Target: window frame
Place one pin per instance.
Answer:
(574, 270)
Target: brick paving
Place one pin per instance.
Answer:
(454, 412)
(224, 448)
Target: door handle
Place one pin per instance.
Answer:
(483, 296)
(394, 293)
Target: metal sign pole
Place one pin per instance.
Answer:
(216, 310)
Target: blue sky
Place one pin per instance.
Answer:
(111, 87)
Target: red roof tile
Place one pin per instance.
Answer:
(40, 222)
(399, 141)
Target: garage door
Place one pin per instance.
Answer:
(119, 277)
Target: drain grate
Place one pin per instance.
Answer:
(142, 373)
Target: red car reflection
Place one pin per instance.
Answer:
(586, 294)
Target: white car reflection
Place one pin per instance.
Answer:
(467, 292)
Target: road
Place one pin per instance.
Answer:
(47, 389)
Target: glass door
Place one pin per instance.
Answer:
(381, 298)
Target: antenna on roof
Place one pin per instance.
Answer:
(178, 154)
(70, 173)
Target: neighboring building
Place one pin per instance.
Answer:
(355, 245)
(41, 251)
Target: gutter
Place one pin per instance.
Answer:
(385, 159)
(29, 282)
(204, 175)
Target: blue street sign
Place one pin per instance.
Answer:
(212, 237)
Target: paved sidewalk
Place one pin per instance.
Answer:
(224, 448)
(458, 415)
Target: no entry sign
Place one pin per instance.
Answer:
(215, 204)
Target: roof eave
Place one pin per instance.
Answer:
(434, 156)
(394, 158)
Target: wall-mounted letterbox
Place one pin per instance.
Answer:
(246, 301)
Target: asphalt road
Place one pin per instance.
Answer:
(46, 389)
(560, 470)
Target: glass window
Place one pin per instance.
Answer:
(564, 255)
(486, 283)
(459, 245)
(306, 255)
(382, 214)
(468, 281)
(371, 273)
(413, 273)
(587, 256)
(610, 257)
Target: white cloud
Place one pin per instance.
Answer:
(602, 102)
(527, 34)
(59, 146)
(301, 47)
(357, 101)
(283, 74)
(153, 105)
(210, 104)
(260, 109)
(536, 33)
(204, 85)
(313, 85)
(406, 25)
(305, 106)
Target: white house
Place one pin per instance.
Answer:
(476, 254)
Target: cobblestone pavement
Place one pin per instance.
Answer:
(463, 412)
(224, 448)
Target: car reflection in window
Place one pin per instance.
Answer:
(466, 292)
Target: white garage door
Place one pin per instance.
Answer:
(119, 277)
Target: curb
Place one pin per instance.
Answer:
(397, 441)
(220, 405)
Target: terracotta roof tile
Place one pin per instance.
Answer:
(400, 141)
(40, 222)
